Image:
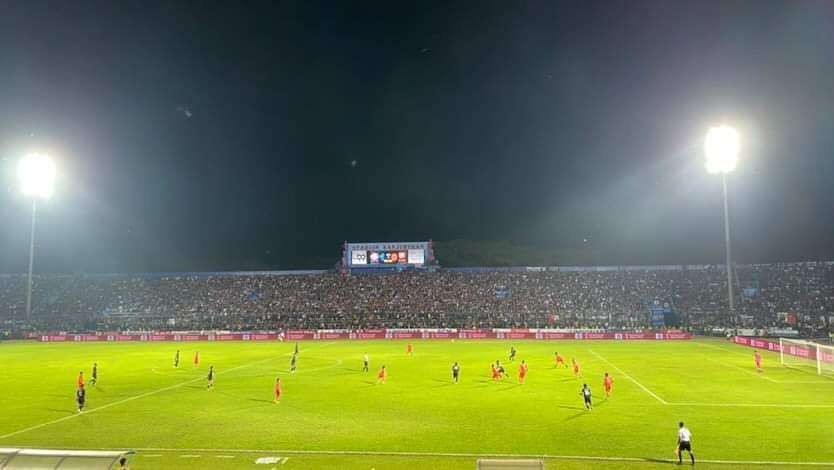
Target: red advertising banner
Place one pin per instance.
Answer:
(299, 335)
(477, 334)
(370, 334)
(334, 335)
(303, 335)
(440, 335)
(404, 335)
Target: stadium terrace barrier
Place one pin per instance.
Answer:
(307, 335)
(774, 346)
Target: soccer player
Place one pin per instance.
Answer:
(586, 395)
(95, 375)
(495, 375)
(410, 350)
(81, 398)
(522, 372)
(123, 464)
(684, 443)
(296, 348)
(608, 384)
(501, 371)
(382, 376)
(365, 363)
(278, 390)
(80, 381)
(456, 372)
(512, 353)
(758, 357)
(210, 378)
(197, 359)
(293, 363)
(560, 360)
(577, 369)
(177, 359)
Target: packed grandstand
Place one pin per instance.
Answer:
(782, 297)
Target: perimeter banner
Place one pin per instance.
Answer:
(399, 334)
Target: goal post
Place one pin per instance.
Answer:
(806, 355)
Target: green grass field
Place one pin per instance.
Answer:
(333, 415)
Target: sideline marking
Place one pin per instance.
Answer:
(624, 374)
(136, 397)
(480, 455)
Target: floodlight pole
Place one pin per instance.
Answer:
(31, 262)
(727, 245)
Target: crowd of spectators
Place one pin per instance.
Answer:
(766, 296)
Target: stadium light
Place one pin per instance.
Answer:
(37, 176)
(721, 147)
(36, 173)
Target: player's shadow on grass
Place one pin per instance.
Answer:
(260, 400)
(582, 413)
(369, 382)
(656, 460)
(56, 410)
(571, 407)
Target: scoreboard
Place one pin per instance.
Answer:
(392, 254)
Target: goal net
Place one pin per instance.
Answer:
(807, 355)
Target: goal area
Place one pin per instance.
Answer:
(806, 355)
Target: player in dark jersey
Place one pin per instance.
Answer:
(177, 359)
(296, 348)
(365, 363)
(500, 368)
(456, 372)
(586, 395)
(512, 353)
(81, 398)
(210, 378)
(95, 375)
(293, 363)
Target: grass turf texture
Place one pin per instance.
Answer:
(142, 402)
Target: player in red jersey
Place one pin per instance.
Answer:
(410, 350)
(608, 384)
(197, 359)
(495, 375)
(758, 357)
(278, 390)
(577, 369)
(80, 381)
(522, 372)
(560, 360)
(382, 376)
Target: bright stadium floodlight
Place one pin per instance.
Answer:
(721, 148)
(37, 180)
(37, 176)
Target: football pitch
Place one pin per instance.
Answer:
(333, 415)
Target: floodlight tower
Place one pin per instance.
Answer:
(36, 173)
(721, 148)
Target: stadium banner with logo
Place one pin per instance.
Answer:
(369, 255)
(407, 334)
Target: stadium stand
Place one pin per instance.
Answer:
(769, 296)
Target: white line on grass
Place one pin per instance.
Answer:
(476, 455)
(624, 374)
(755, 405)
(136, 397)
(755, 374)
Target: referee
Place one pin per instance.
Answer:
(684, 443)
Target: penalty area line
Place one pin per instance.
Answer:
(624, 374)
(137, 397)
(477, 455)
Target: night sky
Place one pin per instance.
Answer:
(192, 136)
